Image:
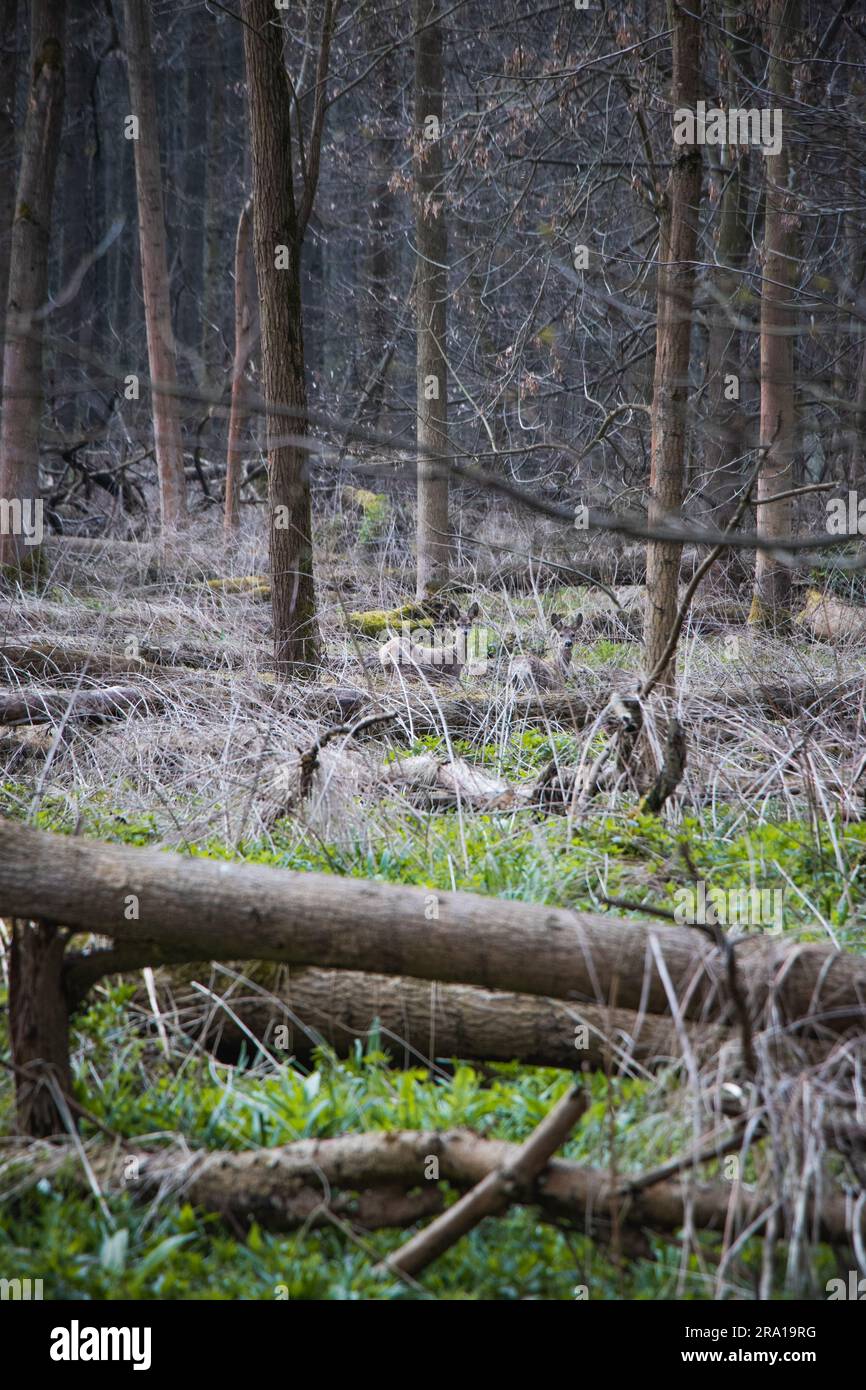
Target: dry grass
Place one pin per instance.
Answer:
(218, 761)
(206, 761)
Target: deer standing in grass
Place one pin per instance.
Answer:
(528, 672)
(404, 654)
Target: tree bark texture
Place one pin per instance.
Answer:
(772, 597)
(676, 274)
(431, 292)
(277, 240)
(168, 442)
(28, 268)
(203, 910)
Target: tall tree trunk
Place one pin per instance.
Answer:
(28, 268)
(378, 259)
(377, 282)
(214, 219)
(843, 451)
(431, 290)
(725, 433)
(154, 266)
(245, 335)
(771, 603)
(8, 87)
(677, 246)
(108, 200)
(76, 221)
(193, 184)
(277, 240)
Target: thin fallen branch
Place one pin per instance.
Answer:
(310, 759)
(494, 1194)
(715, 1147)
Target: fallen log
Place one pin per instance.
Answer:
(164, 907)
(788, 699)
(88, 706)
(469, 715)
(417, 1020)
(100, 547)
(48, 657)
(465, 716)
(283, 1187)
(253, 585)
(52, 658)
(606, 566)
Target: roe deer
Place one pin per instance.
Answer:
(403, 653)
(529, 672)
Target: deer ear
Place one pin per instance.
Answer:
(556, 620)
(450, 610)
(473, 611)
(578, 622)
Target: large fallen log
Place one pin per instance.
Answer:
(470, 715)
(418, 1020)
(89, 706)
(161, 908)
(283, 1187)
(464, 716)
(49, 657)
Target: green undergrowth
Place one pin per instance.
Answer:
(117, 1248)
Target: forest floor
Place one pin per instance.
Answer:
(772, 797)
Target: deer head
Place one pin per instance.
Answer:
(566, 631)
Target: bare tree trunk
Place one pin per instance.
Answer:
(378, 272)
(379, 260)
(39, 1027)
(726, 436)
(277, 238)
(244, 338)
(154, 266)
(192, 166)
(771, 603)
(214, 219)
(431, 290)
(858, 443)
(75, 219)
(8, 85)
(677, 245)
(28, 270)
